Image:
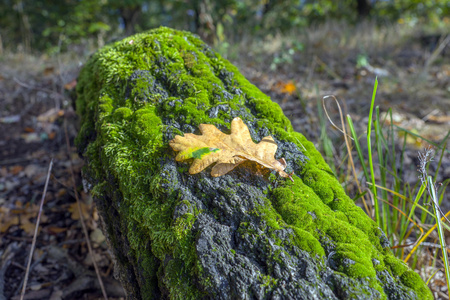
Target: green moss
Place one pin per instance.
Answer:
(267, 281)
(121, 113)
(396, 266)
(124, 134)
(407, 276)
(354, 262)
(301, 207)
(308, 242)
(148, 128)
(272, 219)
(413, 280)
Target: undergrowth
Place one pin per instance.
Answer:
(373, 164)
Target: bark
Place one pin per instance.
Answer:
(249, 234)
(363, 8)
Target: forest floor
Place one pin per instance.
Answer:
(37, 115)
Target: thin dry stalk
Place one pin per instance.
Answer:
(33, 244)
(83, 225)
(436, 53)
(347, 139)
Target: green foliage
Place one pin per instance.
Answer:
(85, 19)
(49, 25)
(433, 12)
(324, 9)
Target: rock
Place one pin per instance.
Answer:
(238, 236)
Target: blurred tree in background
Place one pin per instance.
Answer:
(36, 26)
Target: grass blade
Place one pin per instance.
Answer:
(432, 190)
(369, 146)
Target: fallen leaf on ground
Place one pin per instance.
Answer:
(31, 137)
(85, 210)
(56, 229)
(16, 169)
(7, 219)
(20, 216)
(71, 85)
(288, 88)
(51, 115)
(439, 119)
(49, 71)
(31, 170)
(226, 150)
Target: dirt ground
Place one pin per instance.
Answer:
(37, 115)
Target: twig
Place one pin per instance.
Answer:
(83, 225)
(347, 142)
(329, 71)
(436, 53)
(59, 95)
(33, 244)
(14, 161)
(343, 131)
(434, 245)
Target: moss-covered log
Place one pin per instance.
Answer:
(238, 236)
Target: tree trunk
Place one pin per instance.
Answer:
(363, 8)
(130, 15)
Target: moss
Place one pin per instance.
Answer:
(413, 280)
(267, 281)
(409, 278)
(300, 207)
(272, 219)
(121, 113)
(135, 94)
(148, 127)
(354, 262)
(397, 267)
(306, 241)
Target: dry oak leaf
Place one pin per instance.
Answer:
(226, 150)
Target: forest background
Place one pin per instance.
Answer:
(297, 52)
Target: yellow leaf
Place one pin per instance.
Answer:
(288, 88)
(7, 219)
(226, 150)
(85, 210)
(21, 216)
(27, 226)
(56, 229)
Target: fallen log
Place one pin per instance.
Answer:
(248, 234)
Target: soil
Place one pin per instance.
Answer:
(37, 115)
